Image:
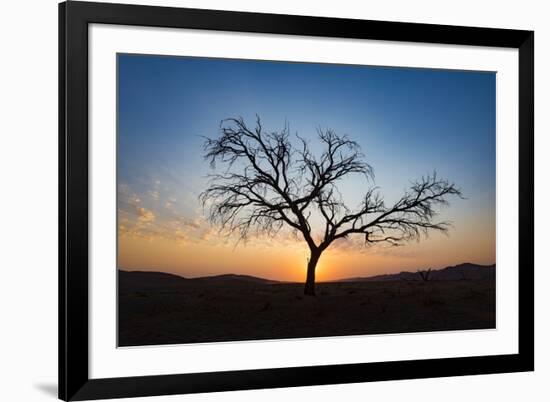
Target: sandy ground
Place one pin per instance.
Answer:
(189, 311)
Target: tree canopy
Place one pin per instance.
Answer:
(271, 179)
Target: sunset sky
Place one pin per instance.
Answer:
(408, 122)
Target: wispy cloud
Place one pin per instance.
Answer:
(194, 224)
(145, 215)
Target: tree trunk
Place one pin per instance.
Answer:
(309, 288)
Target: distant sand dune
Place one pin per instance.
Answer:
(158, 308)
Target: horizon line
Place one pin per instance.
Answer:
(289, 281)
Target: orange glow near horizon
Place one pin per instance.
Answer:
(284, 258)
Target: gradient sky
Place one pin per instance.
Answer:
(407, 121)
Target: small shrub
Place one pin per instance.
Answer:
(425, 274)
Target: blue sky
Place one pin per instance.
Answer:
(407, 121)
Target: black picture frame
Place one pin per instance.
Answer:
(74, 381)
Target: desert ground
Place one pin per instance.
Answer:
(156, 308)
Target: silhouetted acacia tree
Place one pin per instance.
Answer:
(270, 182)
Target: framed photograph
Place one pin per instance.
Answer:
(258, 201)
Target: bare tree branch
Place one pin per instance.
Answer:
(269, 183)
(411, 216)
